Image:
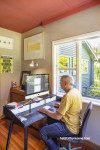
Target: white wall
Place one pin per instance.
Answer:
(6, 78)
(93, 128)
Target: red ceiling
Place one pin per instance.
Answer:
(23, 15)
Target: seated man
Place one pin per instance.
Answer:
(67, 116)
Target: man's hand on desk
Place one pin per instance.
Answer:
(54, 115)
(43, 110)
(57, 104)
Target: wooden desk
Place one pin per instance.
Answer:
(17, 95)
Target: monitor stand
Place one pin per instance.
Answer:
(30, 102)
(36, 95)
(30, 113)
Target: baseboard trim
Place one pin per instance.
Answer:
(2, 116)
(91, 144)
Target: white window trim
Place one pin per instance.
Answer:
(87, 100)
(78, 77)
(58, 69)
(83, 65)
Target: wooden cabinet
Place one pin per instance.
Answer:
(17, 95)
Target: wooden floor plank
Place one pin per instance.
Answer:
(17, 138)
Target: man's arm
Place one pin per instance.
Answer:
(54, 115)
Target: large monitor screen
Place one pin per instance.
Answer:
(36, 83)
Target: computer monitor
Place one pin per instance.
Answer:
(36, 85)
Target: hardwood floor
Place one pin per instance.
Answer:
(17, 138)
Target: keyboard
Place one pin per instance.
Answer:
(49, 108)
(51, 95)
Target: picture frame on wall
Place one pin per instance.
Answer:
(22, 81)
(34, 47)
(7, 43)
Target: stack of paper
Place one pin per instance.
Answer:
(14, 105)
(21, 118)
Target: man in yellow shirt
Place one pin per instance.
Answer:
(67, 116)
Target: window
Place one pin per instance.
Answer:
(84, 66)
(64, 62)
(67, 55)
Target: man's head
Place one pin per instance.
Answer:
(67, 82)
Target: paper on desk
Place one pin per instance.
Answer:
(37, 99)
(21, 118)
(46, 107)
(14, 105)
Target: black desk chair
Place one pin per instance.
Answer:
(82, 132)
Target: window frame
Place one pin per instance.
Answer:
(78, 65)
(81, 65)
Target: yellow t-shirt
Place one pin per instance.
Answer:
(70, 108)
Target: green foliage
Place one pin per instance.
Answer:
(97, 68)
(96, 51)
(63, 62)
(74, 65)
(97, 74)
(94, 92)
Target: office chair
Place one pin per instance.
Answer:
(82, 132)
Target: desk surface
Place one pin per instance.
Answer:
(31, 118)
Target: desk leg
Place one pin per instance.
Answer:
(9, 134)
(25, 138)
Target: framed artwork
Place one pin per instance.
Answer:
(34, 47)
(6, 64)
(6, 42)
(24, 73)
